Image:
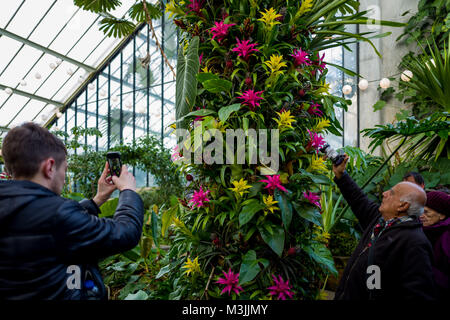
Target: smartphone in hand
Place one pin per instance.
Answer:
(115, 163)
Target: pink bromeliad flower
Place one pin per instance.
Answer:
(176, 154)
(195, 5)
(199, 198)
(220, 30)
(313, 198)
(315, 140)
(315, 110)
(200, 58)
(251, 98)
(244, 48)
(273, 182)
(230, 281)
(301, 58)
(281, 288)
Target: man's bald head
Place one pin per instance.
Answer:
(405, 198)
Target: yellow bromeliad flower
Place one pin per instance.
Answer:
(240, 187)
(324, 88)
(191, 266)
(285, 120)
(173, 9)
(317, 164)
(269, 17)
(321, 124)
(269, 202)
(275, 64)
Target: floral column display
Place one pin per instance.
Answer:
(250, 66)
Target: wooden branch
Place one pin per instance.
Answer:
(149, 22)
(207, 284)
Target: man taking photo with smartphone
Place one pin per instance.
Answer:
(49, 246)
(393, 258)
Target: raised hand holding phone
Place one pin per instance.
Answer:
(125, 181)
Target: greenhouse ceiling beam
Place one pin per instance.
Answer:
(45, 49)
(32, 96)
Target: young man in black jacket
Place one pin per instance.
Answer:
(49, 246)
(393, 258)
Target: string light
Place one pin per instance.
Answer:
(385, 83)
(407, 75)
(8, 91)
(128, 105)
(69, 71)
(347, 89)
(102, 93)
(23, 83)
(59, 114)
(363, 84)
(91, 86)
(52, 65)
(58, 61)
(37, 75)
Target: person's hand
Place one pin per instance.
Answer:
(125, 181)
(105, 187)
(339, 170)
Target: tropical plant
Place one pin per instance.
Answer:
(260, 69)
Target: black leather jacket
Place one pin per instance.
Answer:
(42, 234)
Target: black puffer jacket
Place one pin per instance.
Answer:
(402, 252)
(42, 234)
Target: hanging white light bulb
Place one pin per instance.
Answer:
(102, 93)
(8, 91)
(115, 98)
(58, 61)
(142, 109)
(363, 84)
(43, 117)
(91, 86)
(129, 105)
(385, 83)
(69, 71)
(52, 65)
(80, 79)
(58, 114)
(347, 89)
(37, 75)
(407, 75)
(23, 83)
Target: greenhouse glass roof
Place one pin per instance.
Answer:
(48, 49)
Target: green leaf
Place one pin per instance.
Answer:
(186, 82)
(108, 208)
(115, 27)
(249, 211)
(97, 6)
(137, 12)
(320, 253)
(379, 105)
(154, 223)
(285, 207)
(249, 267)
(197, 113)
(276, 240)
(205, 76)
(166, 219)
(140, 295)
(164, 270)
(309, 213)
(217, 85)
(225, 112)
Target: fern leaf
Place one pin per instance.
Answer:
(137, 12)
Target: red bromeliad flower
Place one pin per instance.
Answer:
(315, 141)
(273, 182)
(313, 198)
(200, 58)
(195, 5)
(251, 98)
(281, 288)
(244, 48)
(230, 281)
(319, 63)
(220, 30)
(314, 109)
(301, 58)
(199, 198)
